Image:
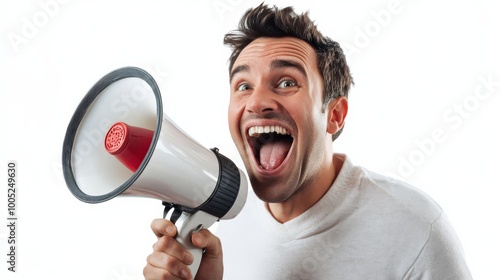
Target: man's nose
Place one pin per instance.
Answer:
(262, 100)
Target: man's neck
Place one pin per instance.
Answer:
(307, 196)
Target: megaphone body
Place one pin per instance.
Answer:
(119, 143)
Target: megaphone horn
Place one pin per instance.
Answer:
(120, 143)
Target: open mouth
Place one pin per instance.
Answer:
(270, 145)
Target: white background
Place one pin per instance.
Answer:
(419, 68)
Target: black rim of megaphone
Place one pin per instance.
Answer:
(81, 111)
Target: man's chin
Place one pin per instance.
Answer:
(268, 192)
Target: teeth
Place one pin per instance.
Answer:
(255, 131)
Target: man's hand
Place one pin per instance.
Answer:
(170, 260)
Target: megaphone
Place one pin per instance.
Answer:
(120, 143)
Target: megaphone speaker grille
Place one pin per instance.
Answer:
(116, 140)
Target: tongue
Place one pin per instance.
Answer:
(272, 154)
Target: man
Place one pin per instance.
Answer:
(322, 216)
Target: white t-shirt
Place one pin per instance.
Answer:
(366, 226)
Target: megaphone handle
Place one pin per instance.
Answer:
(187, 224)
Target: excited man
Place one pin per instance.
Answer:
(322, 216)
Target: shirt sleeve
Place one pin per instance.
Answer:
(441, 257)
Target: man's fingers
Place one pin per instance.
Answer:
(163, 227)
(206, 240)
(170, 246)
(170, 260)
(163, 266)
(211, 263)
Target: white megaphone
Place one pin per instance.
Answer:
(119, 142)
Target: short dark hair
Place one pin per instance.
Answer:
(263, 21)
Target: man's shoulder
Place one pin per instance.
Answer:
(406, 196)
(383, 192)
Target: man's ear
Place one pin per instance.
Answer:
(337, 112)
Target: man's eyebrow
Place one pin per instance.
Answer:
(284, 63)
(238, 69)
(275, 64)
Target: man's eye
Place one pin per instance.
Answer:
(286, 84)
(243, 87)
